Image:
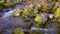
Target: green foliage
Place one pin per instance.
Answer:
(18, 31)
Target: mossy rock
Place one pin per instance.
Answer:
(57, 12)
(28, 11)
(34, 12)
(27, 19)
(18, 31)
(21, 10)
(10, 5)
(38, 20)
(25, 13)
(16, 13)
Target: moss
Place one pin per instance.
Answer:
(38, 20)
(25, 12)
(21, 10)
(34, 12)
(13, 5)
(16, 13)
(27, 19)
(10, 5)
(18, 31)
(57, 12)
(45, 8)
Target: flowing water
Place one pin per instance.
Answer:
(45, 30)
(6, 20)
